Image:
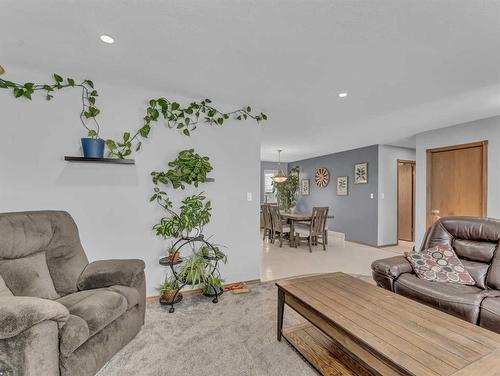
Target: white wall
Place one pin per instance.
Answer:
(484, 129)
(110, 202)
(388, 192)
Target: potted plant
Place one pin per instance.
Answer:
(212, 253)
(213, 286)
(173, 254)
(193, 270)
(286, 193)
(168, 290)
(183, 118)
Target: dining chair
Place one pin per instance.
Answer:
(279, 228)
(315, 230)
(268, 225)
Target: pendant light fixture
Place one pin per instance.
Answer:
(280, 177)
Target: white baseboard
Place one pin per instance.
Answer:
(335, 234)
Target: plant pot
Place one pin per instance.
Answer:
(167, 296)
(213, 291)
(174, 258)
(93, 147)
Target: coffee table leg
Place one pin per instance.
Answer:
(281, 306)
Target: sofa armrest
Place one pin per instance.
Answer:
(392, 267)
(19, 313)
(386, 271)
(105, 273)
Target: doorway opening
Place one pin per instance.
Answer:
(406, 201)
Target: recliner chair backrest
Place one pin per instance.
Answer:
(475, 241)
(24, 234)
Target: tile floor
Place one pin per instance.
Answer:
(340, 255)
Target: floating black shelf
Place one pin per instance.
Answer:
(100, 160)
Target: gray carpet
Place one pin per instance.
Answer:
(237, 336)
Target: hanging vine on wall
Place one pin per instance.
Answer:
(183, 118)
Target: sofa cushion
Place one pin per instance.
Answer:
(462, 301)
(474, 250)
(478, 271)
(489, 317)
(73, 334)
(97, 307)
(130, 293)
(4, 290)
(28, 276)
(53, 232)
(440, 264)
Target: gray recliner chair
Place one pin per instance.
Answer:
(60, 314)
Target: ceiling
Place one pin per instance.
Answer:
(408, 65)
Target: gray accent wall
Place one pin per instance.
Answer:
(269, 166)
(356, 215)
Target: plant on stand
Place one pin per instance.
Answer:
(184, 226)
(286, 193)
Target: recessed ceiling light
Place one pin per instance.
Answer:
(342, 95)
(107, 39)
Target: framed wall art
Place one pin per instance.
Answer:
(361, 173)
(342, 185)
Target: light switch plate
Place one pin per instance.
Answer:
(371, 195)
(249, 196)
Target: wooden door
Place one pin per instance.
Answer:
(457, 179)
(406, 200)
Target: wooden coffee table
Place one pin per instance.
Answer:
(355, 328)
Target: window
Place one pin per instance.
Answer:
(269, 196)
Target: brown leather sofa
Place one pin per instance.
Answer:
(475, 241)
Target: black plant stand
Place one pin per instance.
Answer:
(166, 261)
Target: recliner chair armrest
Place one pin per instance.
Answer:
(105, 273)
(19, 313)
(392, 267)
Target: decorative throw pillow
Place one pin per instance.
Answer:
(440, 264)
(29, 276)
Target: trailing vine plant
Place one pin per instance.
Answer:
(183, 118)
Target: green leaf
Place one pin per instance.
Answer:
(111, 144)
(220, 121)
(138, 147)
(90, 83)
(18, 92)
(58, 78)
(92, 100)
(126, 136)
(94, 93)
(47, 88)
(29, 85)
(27, 94)
(264, 116)
(175, 106)
(186, 132)
(249, 109)
(92, 133)
(71, 82)
(49, 97)
(208, 101)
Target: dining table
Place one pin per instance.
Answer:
(293, 217)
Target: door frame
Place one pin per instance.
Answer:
(484, 193)
(414, 192)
